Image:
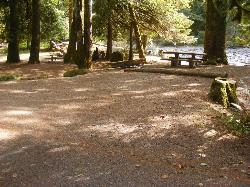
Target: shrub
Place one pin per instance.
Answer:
(8, 77)
(239, 122)
(74, 72)
(117, 56)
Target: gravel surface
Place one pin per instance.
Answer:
(110, 128)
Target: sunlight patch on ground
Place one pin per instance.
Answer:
(70, 106)
(6, 134)
(116, 128)
(18, 113)
(59, 149)
(227, 137)
(169, 94)
(159, 125)
(83, 89)
(194, 84)
(42, 90)
(130, 81)
(210, 134)
(18, 121)
(176, 85)
(137, 92)
(21, 91)
(138, 97)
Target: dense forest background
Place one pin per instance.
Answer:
(182, 23)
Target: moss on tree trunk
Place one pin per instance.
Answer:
(215, 35)
(223, 91)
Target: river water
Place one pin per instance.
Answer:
(236, 56)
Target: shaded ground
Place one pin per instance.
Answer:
(110, 128)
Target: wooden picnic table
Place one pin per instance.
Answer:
(177, 57)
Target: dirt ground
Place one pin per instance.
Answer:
(111, 128)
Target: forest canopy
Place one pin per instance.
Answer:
(164, 22)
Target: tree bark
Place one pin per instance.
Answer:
(109, 37)
(79, 56)
(71, 51)
(131, 55)
(35, 42)
(215, 35)
(137, 32)
(144, 42)
(13, 42)
(87, 34)
(70, 6)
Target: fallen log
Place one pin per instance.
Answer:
(179, 72)
(129, 63)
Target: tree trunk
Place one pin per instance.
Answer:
(13, 42)
(35, 42)
(131, 55)
(79, 56)
(137, 32)
(109, 37)
(70, 6)
(69, 56)
(223, 91)
(215, 35)
(144, 42)
(87, 34)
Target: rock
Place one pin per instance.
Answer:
(203, 164)
(243, 171)
(236, 106)
(164, 176)
(137, 165)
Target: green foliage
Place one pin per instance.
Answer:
(9, 77)
(238, 34)
(155, 18)
(54, 23)
(117, 56)
(197, 13)
(239, 122)
(75, 72)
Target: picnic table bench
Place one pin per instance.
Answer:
(58, 51)
(177, 57)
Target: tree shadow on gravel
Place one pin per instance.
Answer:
(117, 129)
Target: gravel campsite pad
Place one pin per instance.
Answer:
(111, 128)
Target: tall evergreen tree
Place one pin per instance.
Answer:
(137, 32)
(87, 34)
(13, 35)
(35, 42)
(70, 56)
(109, 32)
(215, 34)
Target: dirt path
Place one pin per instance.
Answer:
(110, 128)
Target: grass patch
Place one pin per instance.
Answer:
(9, 77)
(75, 72)
(239, 122)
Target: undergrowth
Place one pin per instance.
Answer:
(9, 77)
(74, 72)
(239, 122)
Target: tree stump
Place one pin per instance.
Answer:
(223, 91)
